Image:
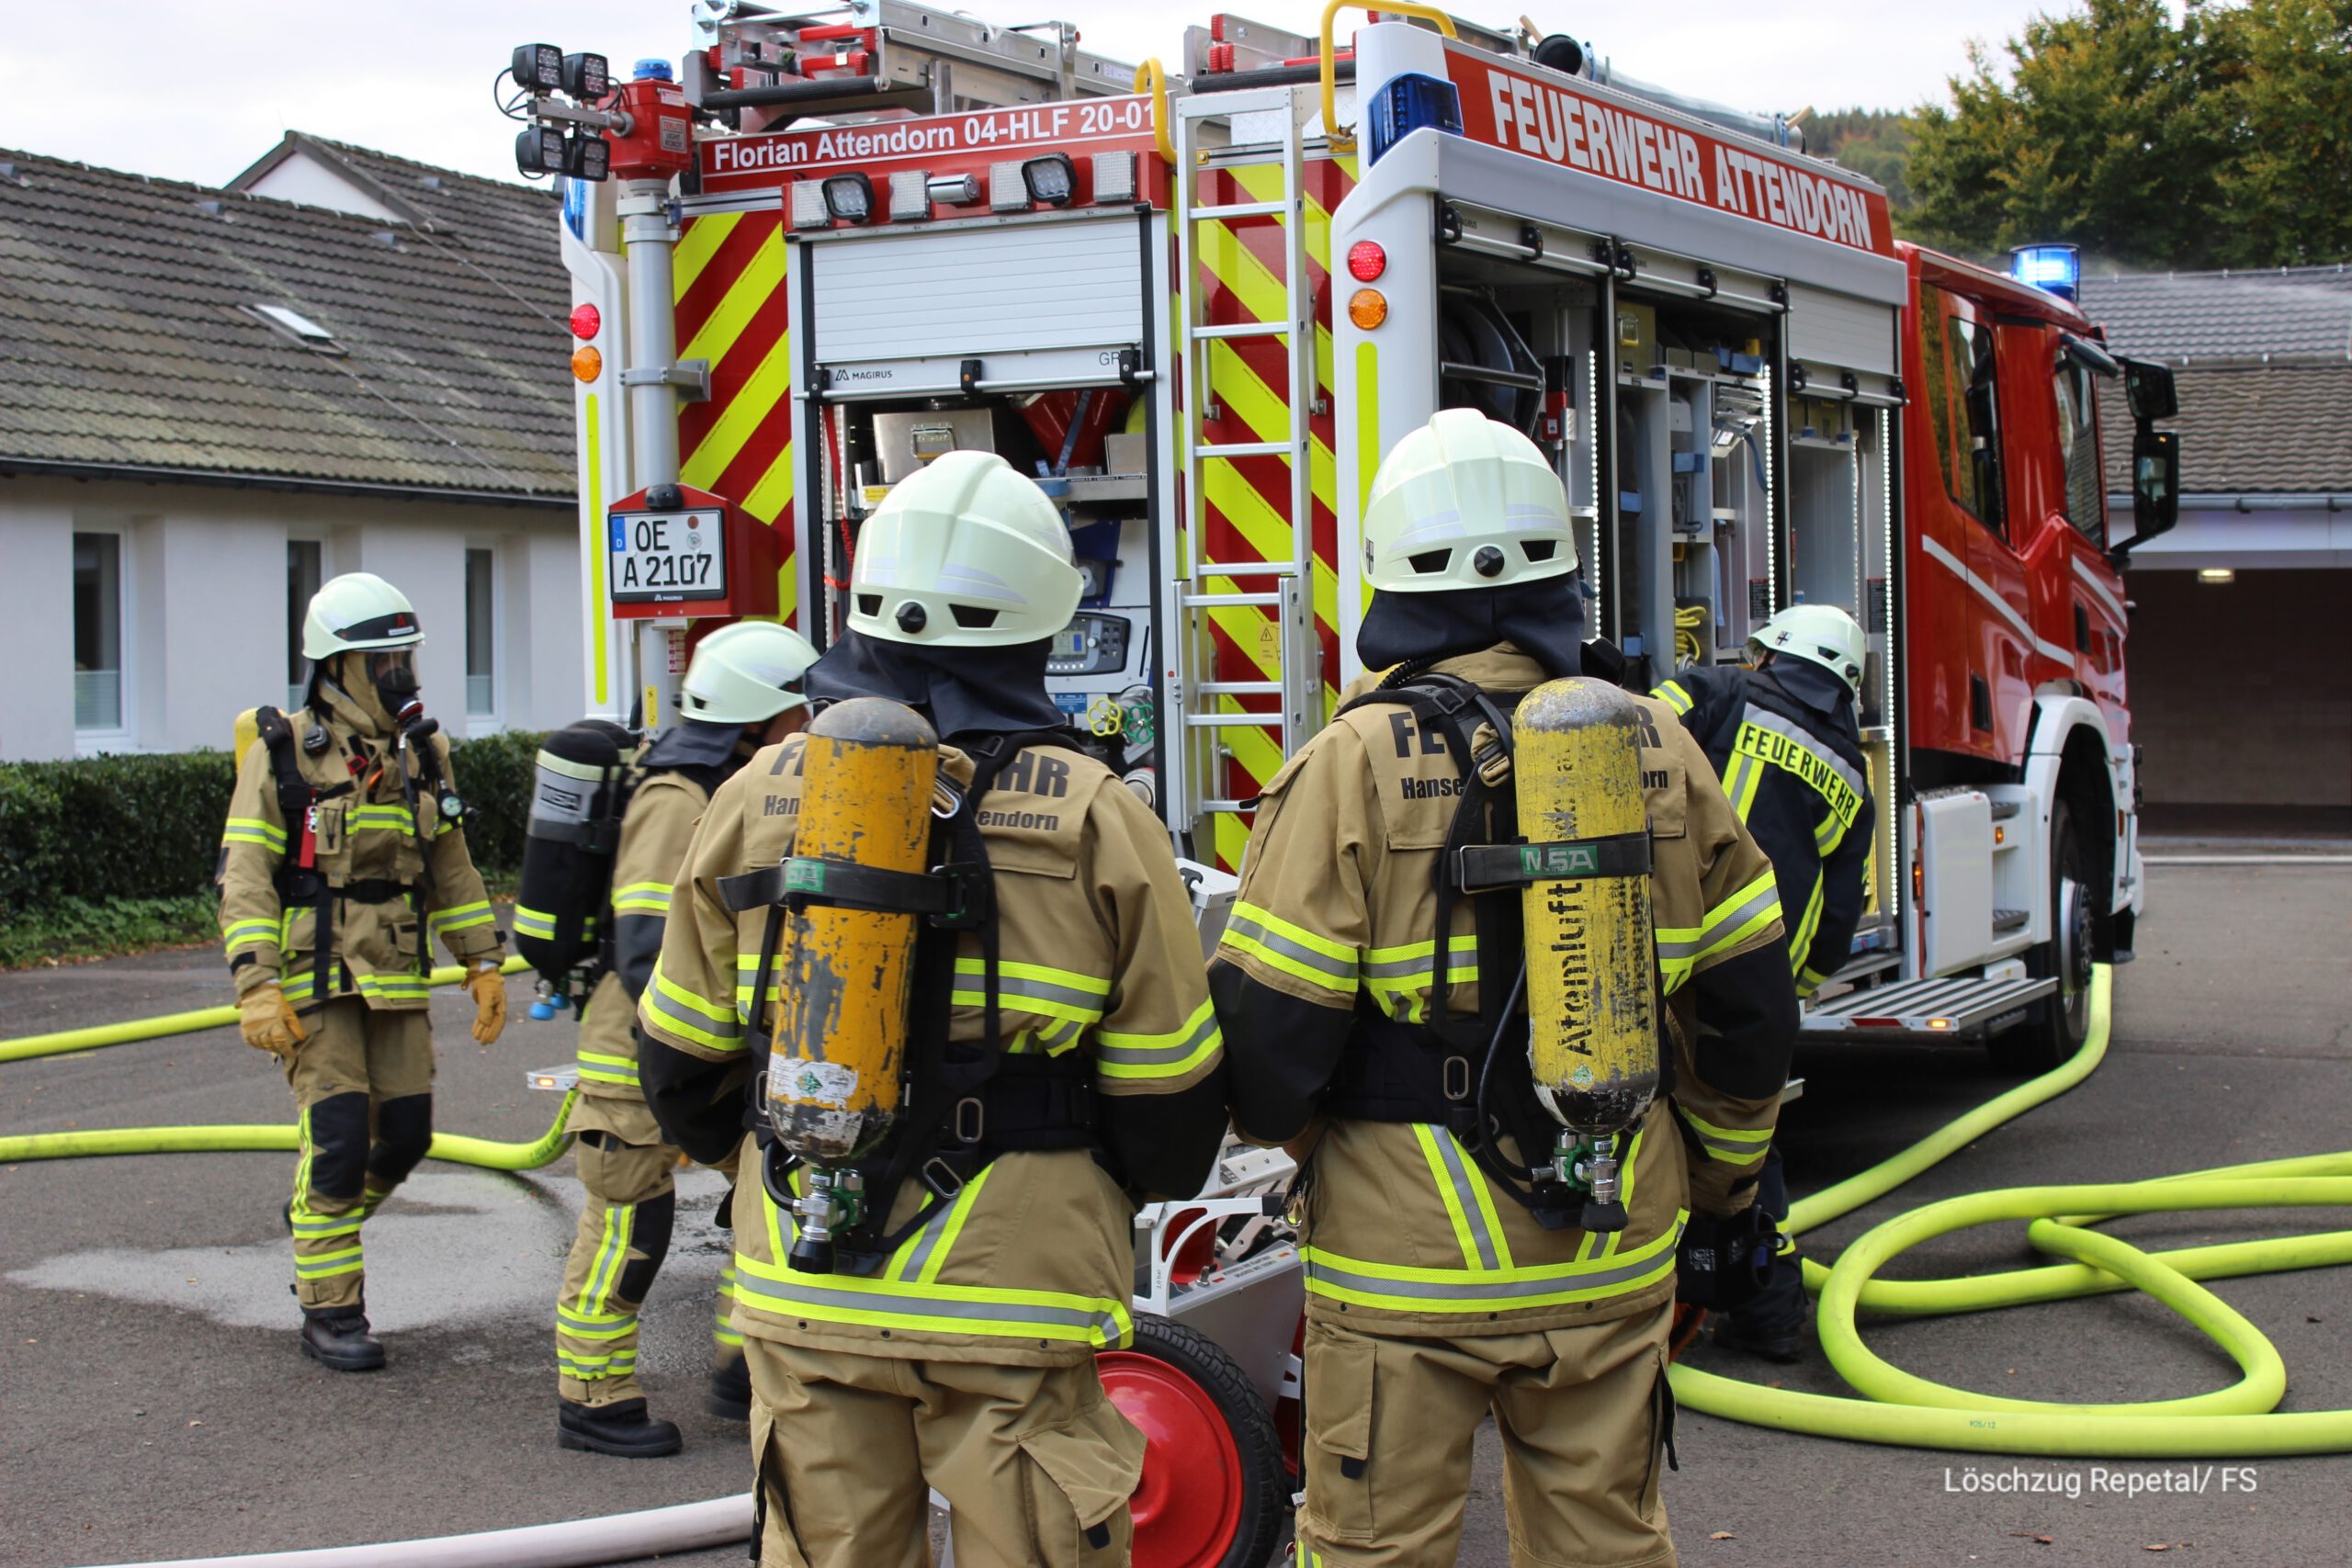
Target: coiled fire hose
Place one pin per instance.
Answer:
(1899, 1408)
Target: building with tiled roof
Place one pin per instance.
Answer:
(218, 397)
(2225, 608)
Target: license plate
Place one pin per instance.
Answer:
(666, 555)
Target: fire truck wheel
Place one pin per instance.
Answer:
(2059, 1023)
(1213, 1494)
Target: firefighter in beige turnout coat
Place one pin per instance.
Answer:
(342, 856)
(1434, 1298)
(962, 1356)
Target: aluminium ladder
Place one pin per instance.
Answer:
(1197, 778)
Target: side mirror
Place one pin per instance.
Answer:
(2155, 486)
(2149, 390)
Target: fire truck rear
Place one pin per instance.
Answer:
(1198, 306)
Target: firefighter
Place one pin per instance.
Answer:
(1439, 1288)
(741, 693)
(953, 1344)
(1783, 736)
(344, 854)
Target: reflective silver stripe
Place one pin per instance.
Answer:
(1015, 987)
(694, 1025)
(1467, 1287)
(1145, 1056)
(1342, 969)
(1717, 924)
(928, 1238)
(1804, 740)
(1418, 964)
(917, 1304)
(1449, 1152)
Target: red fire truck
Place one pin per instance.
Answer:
(1199, 305)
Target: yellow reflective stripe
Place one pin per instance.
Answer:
(533, 922)
(1399, 978)
(253, 831)
(1168, 1055)
(1292, 948)
(922, 1255)
(1734, 1145)
(1800, 943)
(323, 1265)
(1032, 988)
(1727, 925)
(610, 1253)
(598, 1067)
(1674, 696)
(1449, 1193)
(1486, 1210)
(1625, 1191)
(681, 1013)
(1810, 980)
(1771, 739)
(252, 933)
(459, 917)
(1403, 1287)
(987, 1312)
(642, 897)
(588, 1368)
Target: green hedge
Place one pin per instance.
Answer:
(101, 829)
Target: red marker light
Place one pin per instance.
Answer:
(586, 320)
(1366, 261)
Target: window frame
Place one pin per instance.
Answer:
(2084, 379)
(493, 719)
(87, 742)
(297, 686)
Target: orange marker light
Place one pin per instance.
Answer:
(1367, 308)
(587, 364)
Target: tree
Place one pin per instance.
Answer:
(2106, 130)
(2285, 102)
(1875, 143)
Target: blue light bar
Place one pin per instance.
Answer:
(2056, 268)
(1405, 104)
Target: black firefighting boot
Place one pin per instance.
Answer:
(621, 1429)
(1773, 1326)
(730, 1389)
(338, 1337)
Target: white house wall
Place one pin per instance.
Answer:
(204, 611)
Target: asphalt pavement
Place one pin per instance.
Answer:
(152, 1404)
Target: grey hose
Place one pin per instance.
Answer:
(575, 1543)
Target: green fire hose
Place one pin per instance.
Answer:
(1897, 1408)
(250, 1136)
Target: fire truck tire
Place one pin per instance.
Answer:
(1213, 1493)
(2059, 1024)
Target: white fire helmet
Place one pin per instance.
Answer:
(745, 673)
(1818, 633)
(358, 610)
(1465, 501)
(964, 552)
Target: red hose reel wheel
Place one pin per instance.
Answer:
(1214, 1493)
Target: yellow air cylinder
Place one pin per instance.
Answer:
(1592, 997)
(844, 976)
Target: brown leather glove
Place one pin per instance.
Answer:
(268, 1022)
(489, 989)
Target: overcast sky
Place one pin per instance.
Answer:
(197, 89)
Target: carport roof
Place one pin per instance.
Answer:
(425, 354)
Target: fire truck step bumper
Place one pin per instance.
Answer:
(1957, 1006)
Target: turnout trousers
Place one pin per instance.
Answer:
(1584, 1415)
(362, 1090)
(624, 1226)
(1036, 1463)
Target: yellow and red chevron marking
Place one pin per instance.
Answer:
(1246, 500)
(730, 298)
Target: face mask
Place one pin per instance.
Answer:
(396, 687)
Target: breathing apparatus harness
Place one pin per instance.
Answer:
(969, 1101)
(1441, 1070)
(298, 878)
